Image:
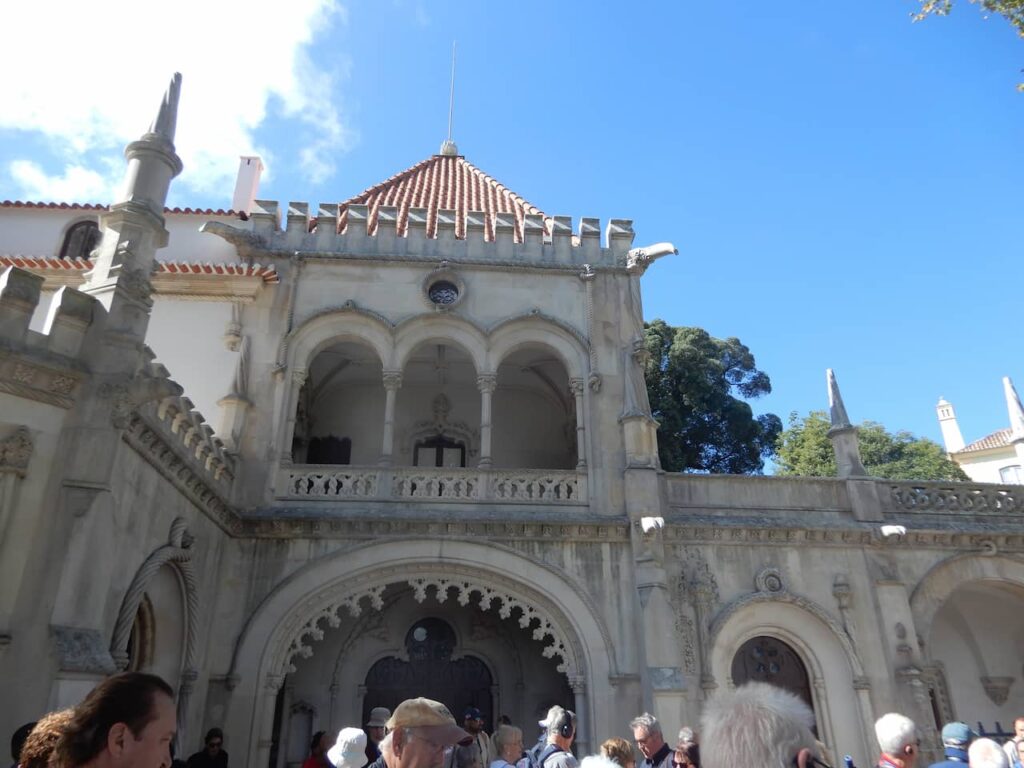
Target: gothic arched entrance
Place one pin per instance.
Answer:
(457, 682)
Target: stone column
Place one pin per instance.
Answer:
(264, 737)
(579, 692)
(332, 712)
(392, 383)
(486, 383)
(298, 379)
(185, 688)
(15, 453)
(576, 387)
(705, 593)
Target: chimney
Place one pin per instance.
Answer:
(248, 183)
(950, 428)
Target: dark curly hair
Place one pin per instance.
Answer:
(125, 698)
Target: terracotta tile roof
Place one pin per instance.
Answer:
(268, 273)
(99, 207)
(441, 182)
(998, 439)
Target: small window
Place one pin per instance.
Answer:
(1010, 475)
(80, 241)
(439, 451)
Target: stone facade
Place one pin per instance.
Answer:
(487, 515)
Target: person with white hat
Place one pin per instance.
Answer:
(422, 730)
(349, 751)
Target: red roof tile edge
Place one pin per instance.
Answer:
(267, 272)
(998, 439)
(101, 207)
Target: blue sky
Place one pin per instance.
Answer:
(844, 186)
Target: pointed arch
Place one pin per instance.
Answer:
(349, 322)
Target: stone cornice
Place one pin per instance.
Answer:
(33, 377)
(166, 457)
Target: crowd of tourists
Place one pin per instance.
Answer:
(129, 721)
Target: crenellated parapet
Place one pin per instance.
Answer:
(47, 365)
(413, 234)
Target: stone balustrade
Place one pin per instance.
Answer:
(954, 498)
(335, 483)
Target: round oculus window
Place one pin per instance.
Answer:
(443, 293)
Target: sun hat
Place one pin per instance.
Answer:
(349, 751)
(378, 717)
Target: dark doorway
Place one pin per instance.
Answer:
(769, 660)
(431, 672)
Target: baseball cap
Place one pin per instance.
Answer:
(957, 734)
(427, 713)
(472, 713)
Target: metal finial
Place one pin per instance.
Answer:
(448, 147)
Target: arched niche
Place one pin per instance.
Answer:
(842, 711)
(534, 416)
(340, 410)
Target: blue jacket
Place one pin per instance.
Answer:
(955, 758)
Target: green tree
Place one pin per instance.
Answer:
(1011, 10)
(804, 449)
(694, 383)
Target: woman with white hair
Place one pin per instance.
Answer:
(507, 742)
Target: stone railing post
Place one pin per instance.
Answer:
(392, 383)
(486, 383)
(576, 388)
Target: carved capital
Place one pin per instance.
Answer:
(299, 376)
(841, 591)
(273, 683)
(587, 274)
(487, 382)
(392, 380)
(16, 451)
(997, 688)
(576, 386)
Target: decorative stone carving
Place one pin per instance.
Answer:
(233, 331)
(769, 580)
(440, 425)
(688, 641)
(697, 583)
(24, 374)
(997, 688)
(487, 382)
(16, 451)
(178, 551)
(392, 381)
(941, 498)
(81, 650)
(443, 288)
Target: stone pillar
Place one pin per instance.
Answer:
(188, 682)
(576, 387)
(285, 728)
(392, 383)
(486, 383)
(15, 453)
(332, 712)
(292, 406)
(579, 692)
(264, 736)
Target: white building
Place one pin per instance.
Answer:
(995, 458)
(305, 463)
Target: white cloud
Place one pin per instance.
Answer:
(89, 77)
(76, 183)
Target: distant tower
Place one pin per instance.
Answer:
(951, 436)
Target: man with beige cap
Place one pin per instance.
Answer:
(422, 729)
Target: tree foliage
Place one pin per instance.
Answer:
(1011, 10)
(694, 383)
(804, 449)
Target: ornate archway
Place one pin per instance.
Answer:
(481, 576)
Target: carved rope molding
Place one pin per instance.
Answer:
(326, 606)
(178, 551)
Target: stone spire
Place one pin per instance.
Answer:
(1015, 410)
(133, 228)
(167, 118)
(836, 407)
(842, 434)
